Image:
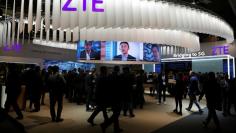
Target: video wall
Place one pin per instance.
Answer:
(118, 51)
(68, 65)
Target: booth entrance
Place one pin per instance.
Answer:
(218, 63)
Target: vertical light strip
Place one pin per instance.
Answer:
(54, 36)
(4, 33)
(22, 40)
(154, 70)
(68, 35)
(9, 34)
(92, 17)
(6, 10)
(38, 16)
(47, 35)
(65, 17)
(61, 35)
(101, 16)
(82, 16)
(13, 22)
(110, 13)
(142, 66)
(228, 66)
(74, 15)
(168, 50)
(75, 34)
(21, 23)
(56, 14)
(234, 67)
(47, 14)
(1, 34)
(41, 31)
(18, 33)
(30, 16)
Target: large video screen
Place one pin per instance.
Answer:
(89, 50)
(123, 51)
(68, 65)
(151, 52)
(118, 51)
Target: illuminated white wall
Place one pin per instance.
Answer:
(148, 68)
(215, 65)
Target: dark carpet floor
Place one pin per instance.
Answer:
(9, 124)
(193, 124)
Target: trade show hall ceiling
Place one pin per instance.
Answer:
(223, 8)
(226, 9)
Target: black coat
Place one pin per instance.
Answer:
(179, 88)
(212, 93)
(116, 91)
(13, 84)
(129, 58)
(56, 84)
(127, 81)
(93, 55)
(102, 90)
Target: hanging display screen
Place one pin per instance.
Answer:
(118, 51)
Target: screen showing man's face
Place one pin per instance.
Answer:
(88, 46)
(124, 48)
(155, 52)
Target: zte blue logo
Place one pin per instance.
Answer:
(67, 6)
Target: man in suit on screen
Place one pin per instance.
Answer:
(124, 56)
(88, 53)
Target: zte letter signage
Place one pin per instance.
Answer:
(68, 7)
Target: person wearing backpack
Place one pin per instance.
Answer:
(193, 92)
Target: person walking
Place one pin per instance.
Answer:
(115, 97)
(193, 91)
(13, 89)
(179, 92)
(56, 84)
(101, 95)
(213, 99)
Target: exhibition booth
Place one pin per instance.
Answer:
(117, 32)
(203, 64)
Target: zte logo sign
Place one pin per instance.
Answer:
(220, 50)
(67, 6)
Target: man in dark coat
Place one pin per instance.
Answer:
(56, 84)
(89, 53)
(213, 99)
(36, 82)
(127, 81)
(179, 92)
(114, 96)
(193, 91)
(101, 95)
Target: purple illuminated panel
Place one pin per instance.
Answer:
(220, 50)
(14, 47)
(94, 6)
(67, 8)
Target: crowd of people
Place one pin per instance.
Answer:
(118, 91)
(218, 89)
